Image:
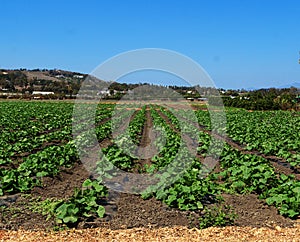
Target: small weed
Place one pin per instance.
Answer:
(217, 216)
(46, 207)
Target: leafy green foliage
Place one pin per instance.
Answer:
(116, 156)
(272, 133)
(286, 197)
(252, 174)
(189, 192)
(136, 125)
(245, 173)
(85, 202)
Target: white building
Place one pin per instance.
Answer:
(42, 93)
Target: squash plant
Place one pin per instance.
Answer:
(86, 202)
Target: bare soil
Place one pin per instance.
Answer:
(144, 142)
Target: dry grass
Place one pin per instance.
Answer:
(232, 233)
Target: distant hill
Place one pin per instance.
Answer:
(68, 83)
(26, 81)
(45, 74)
(294, 84)
(31, 75)
(250, 88)
(53, 75)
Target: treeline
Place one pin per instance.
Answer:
(265, 99)
(11, 79)
(67, 84)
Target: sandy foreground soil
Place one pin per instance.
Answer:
(231, 233)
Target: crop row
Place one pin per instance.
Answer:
(272, 133)
(47, 162)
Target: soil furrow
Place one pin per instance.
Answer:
(145, 142)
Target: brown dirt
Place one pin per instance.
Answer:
(62, 186)
(134, 212)
(18, 214)
(254, 212)
(144, 142)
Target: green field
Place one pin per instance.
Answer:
(260, 156)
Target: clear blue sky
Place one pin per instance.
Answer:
(240, 43)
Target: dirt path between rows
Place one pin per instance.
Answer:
(146, 140)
